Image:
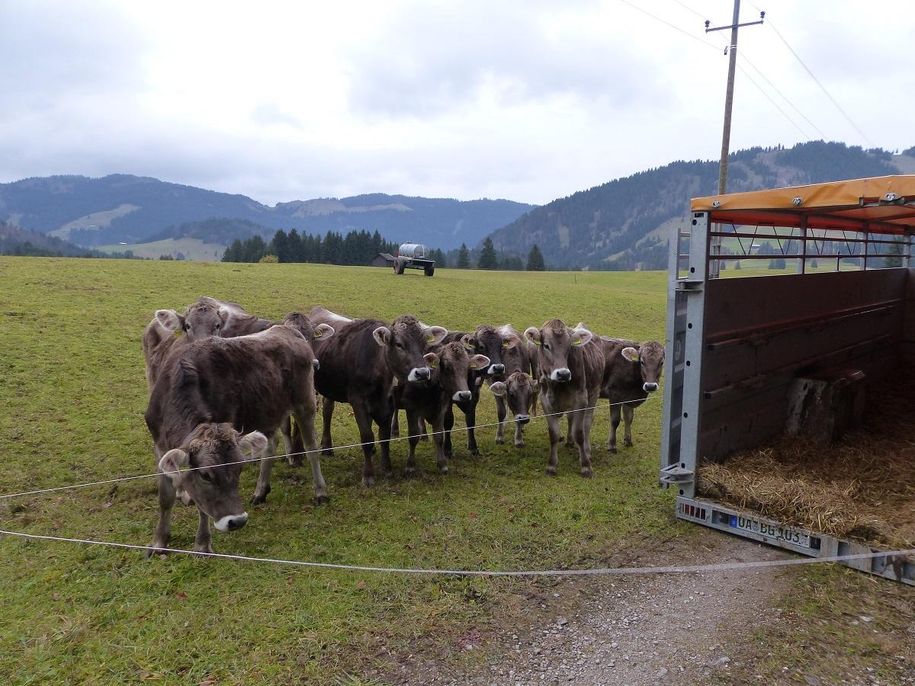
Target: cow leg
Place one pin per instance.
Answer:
(570, 438)
(263, 476)
(384, 436)
(500, 415)
(519, 434)
(440, 458)
(305, 418)
(367, 438)
(582, 429)
(448, 424)
(628, 412)
(203, 539)
(413, 427)
(470, 415)
(327, 414)
(163, 529)
(292, 456)
(552, 423)
(614, 423)
(423, 436)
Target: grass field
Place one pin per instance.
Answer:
(73, 395)
(75, 392)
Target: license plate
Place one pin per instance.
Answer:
(772, 531)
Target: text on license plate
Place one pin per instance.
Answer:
(774, 531)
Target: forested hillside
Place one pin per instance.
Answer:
(624, 224)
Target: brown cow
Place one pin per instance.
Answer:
(431, 400)
(252, 381)
(571, 366)
(631, 372)
(360, 366)
(519, 392)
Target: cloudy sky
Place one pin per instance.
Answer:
(526, 100)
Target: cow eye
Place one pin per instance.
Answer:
(546, 346)
(206, 476)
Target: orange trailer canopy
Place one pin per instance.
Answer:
(882, 204)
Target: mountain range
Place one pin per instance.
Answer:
(622, 224)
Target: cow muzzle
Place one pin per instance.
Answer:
(461, 396)
(562, 375)
(649, 387)
(496, 369)
(419, 374)
(231, 522)
(522, 418)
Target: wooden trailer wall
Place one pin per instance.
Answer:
(761, 333)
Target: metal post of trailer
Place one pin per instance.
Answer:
(682, 393)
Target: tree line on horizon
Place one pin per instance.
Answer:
(361, 247)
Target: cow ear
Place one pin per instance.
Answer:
(479, 362)
(169, 319)
(532, 334)
(498, 389)
(581, 336)
(431, 360)
(469, 341)
(324, 331)
(254, 443)
(435, 334)
(224, 314)
(630, 353)
(172, 462)
(382, 336)
(510, 341)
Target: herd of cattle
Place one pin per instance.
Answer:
(217, 371)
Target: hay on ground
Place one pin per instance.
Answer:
(862, 488)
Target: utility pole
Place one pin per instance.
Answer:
(729, 96)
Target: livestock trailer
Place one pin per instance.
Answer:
(790, 310)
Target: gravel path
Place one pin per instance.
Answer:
(653, 629)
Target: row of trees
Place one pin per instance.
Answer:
(488, 259)
(356, 247)
(361, 247)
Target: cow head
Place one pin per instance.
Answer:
(405, 342)
(207, 467)
(500, 345)
(303, 324)
(450, 366)
(204, 319)
(518, 390)
(650, 358)
(554, 340)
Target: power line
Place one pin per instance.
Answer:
(783, 96)
(774, 104)
(817, 81)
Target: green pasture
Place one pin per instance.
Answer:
(73, 394)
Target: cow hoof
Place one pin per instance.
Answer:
(409, 472)
(628, 444)
(519, 444)
(322, 499)
(258, 499)
(500, 441)
(443, 469)
(294, 461)
(327, 452)
(611, 449)
(475, 452)
(155, 550)
(368, 481)
(551, 471)
(203, 550)
(586, 472)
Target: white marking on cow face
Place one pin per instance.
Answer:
(649, 387)
(561, 375)
(461, 396)
(495, 369)
(419, 374)
(231, 522)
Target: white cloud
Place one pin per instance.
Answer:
(525, 100)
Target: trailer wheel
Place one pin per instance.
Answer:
(429, 269)
(399, 266)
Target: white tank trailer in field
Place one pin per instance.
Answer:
(414, 256)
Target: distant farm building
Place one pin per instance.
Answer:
(383, 259)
